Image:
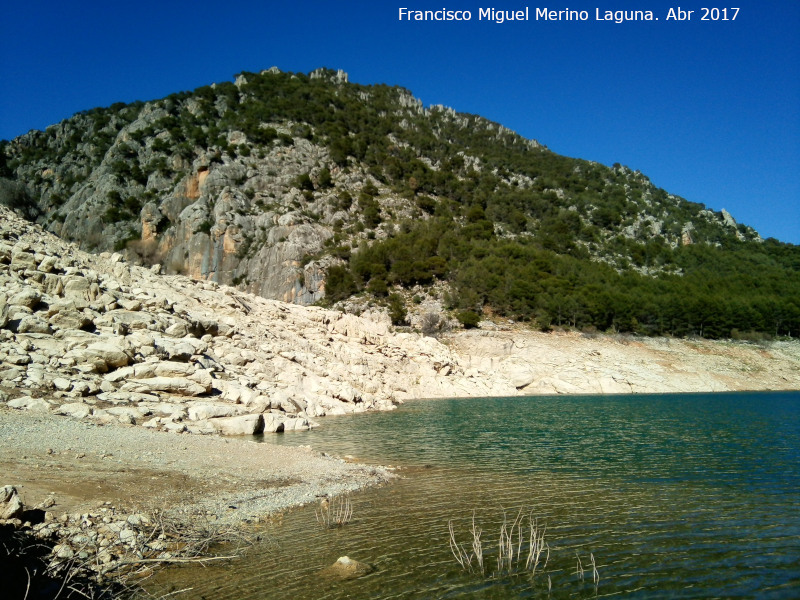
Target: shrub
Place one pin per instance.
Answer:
(304, 183)
(397, 309)
(468, 318)
(325, 179)
(339, 284)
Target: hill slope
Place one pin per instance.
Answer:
(94, 337)
(308, 188)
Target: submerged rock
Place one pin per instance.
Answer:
(347, 568)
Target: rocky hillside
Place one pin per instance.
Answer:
(95, 337)
(307, 187)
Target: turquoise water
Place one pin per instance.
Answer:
(676, 496)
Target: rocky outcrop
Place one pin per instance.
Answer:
(94, 337)
(266, 182)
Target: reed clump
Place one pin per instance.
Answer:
(334, 511)
(521, 548)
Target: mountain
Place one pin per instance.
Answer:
(309, 188)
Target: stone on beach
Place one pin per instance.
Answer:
(11, 506)
(241, 425)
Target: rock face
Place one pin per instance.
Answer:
(228, 184)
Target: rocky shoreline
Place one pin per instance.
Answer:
(111, 500)
(106, 368)
(97, 339)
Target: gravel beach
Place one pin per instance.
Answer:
(84, 465)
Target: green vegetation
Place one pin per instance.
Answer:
(513, 228)
(747, 287)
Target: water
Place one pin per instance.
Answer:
(676, 496)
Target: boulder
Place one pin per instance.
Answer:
(127, 414)
(518, 372)
(26, 297)
(347, 568)
(152, 369)
(98, 358)
(172, 385)
(48, 264)
(70, 319)
(77, 287)
(176, 350)
(236, 392)
(297, 424)
(11, 506)
(201, 411)
(62, 384)
(175, 427)
(126, 397)
(22, 261)
(273, 423)
(112, 351)
(32, 404)
(241, 425)
(33, 324)
(129, 304)
(172, 410)
(177, 330)
(77, 410)
(133, 319)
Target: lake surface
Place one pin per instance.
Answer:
(675, 496)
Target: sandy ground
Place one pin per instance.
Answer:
(84, 466)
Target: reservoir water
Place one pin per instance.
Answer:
(675, 496)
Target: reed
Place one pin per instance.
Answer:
(521, 546)
(477, 547)
(334, 512)
(521, 550)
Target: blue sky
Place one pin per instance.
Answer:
(709, 110)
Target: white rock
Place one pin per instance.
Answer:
(11, 506)
(241, 425)
(77, 410)
(201, 411)
(173, 385)
(32, 404)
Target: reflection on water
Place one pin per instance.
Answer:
(682, 496)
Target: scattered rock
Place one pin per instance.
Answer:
(28, 403)
(77, 410)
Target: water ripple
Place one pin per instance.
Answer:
(676, 496)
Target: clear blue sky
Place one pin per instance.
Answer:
(708, 110)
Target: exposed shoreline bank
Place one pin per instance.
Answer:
(103, 490)
(116, 469)
(106, 368)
